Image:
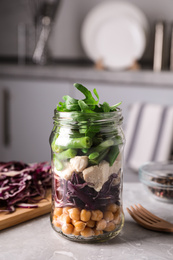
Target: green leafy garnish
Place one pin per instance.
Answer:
(113, 108)
(89, 99)
(105, 107)
(87, 105)
(71, 103)
(84, 107)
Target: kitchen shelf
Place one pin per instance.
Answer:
(82, 73)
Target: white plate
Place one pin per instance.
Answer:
(116, 33)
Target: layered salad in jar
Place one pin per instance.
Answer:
(87, 146)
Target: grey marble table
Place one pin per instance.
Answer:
(36, 239)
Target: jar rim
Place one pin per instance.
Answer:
(118, 112)
(114, 115)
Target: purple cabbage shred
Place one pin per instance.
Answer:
(22, 184)
(77, 193)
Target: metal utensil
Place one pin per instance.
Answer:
(148, 220)
(47, 16)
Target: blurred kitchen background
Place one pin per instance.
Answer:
(47, 45)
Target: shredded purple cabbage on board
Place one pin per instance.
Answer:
(12, 166)
(20, 183)
(77, 193)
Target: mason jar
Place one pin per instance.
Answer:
(87, 168)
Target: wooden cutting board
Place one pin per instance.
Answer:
(22, 215)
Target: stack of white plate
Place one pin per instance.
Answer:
(115, 33)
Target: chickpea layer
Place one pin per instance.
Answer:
(86, 223)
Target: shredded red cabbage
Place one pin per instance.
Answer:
(12, 166)
(77, 193)
(21, 183)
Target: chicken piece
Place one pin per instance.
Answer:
(66, 173)
(79, 163)
(96, 175)
(115, 167)
(92, 175)
(104, 167)
(117, 180)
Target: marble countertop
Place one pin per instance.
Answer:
(36, 240)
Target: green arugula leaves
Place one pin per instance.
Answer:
(89, 100)
(87, 105)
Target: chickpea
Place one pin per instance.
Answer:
(98, 232)
(87, 232)
(85, 215)
(54, 218)
(96, 215)
(79, 225)
(75, 232)
(108, 215)
(65, 210)
(64, 218)
(90, 223)
(56, 223)
(67, 229)
(57, 212)
(74, 213)
(112, 207)
(73, 221)
(110, 226)
(119, 210)
(117, 218)
(101, 224)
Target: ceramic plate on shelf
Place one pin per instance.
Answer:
(115, 33)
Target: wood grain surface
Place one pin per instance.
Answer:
(21, 214)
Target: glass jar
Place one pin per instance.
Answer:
(87, 168)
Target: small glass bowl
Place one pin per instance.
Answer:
(158, 179)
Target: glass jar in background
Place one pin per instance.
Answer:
(87, 168)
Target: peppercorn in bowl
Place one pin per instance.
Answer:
(158, 179)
